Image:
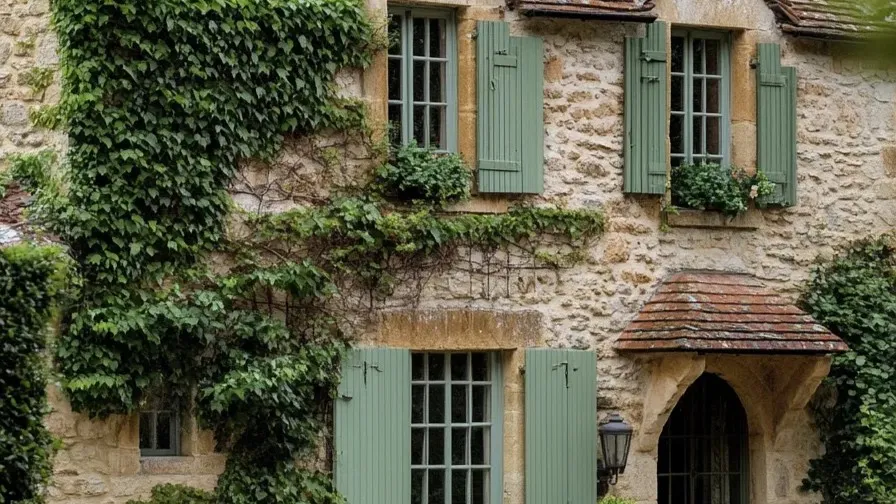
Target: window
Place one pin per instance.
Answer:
(704, 448)
(159, 431)
(422, 69)
(454, 428)
(699, 125)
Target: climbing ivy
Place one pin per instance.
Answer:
(163, 103)
(30, 279)
(855, 296)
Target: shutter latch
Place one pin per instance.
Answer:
(365, 366)
(650, 78)
(565, 366)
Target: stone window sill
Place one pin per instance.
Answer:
(708, 219)
(183, 465)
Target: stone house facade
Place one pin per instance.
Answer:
(474, 338)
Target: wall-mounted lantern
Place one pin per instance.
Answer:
(615, 441)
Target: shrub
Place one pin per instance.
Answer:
(714, 187)
(177, 494)
(422, 175)
(29, 281)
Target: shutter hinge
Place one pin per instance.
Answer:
(565, 366)
(366, 366)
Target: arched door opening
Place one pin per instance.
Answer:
(703, 449)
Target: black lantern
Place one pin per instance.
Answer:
(615, 441)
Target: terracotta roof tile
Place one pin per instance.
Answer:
(837, 19)
(723, 312)
(623, 10)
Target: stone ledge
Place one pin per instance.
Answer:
(185, 465)
(459, 329)
(687, 218)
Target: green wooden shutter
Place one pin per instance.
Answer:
(510, 110)
(645, 112)
(776, 124)
(372, 427)
(561, 427)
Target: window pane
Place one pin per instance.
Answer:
(394, 34)
(394, 79)
(417, 477)
(459, 487)
(419, 81)
(713, 136)
(459, 366)
(420, 124)
(436, 491)
(480, 403)
(163, 430)
(437, 38)
(459, 446)
(395, 124)
(713, 57)
(459, 404)
(436, 452)
(676, 133)
(146, 429)
(480, 367)
(677, 93)
(436, 404)
(419, 37)
(480, 486)
(677, 54)
(697, 59)
(438, 128)
(677, 161)
(418, 403)
(713, 96)
(418, 436)
(479, 446)
(697, 101)
(436, 366)
(437, 82)
(418, 369)
(698, 136)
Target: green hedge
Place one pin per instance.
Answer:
(29, 280)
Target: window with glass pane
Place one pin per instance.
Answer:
(422, 65)
(159, 433)
(699, 124)
(452, 428)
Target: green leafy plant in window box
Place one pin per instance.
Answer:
(421, 175)
(710, 186)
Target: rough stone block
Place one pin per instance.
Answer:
(888, 154)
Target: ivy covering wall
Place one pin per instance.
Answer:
(855, 296)
(237, 318)
(30, 279)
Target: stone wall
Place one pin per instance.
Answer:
(847, 190)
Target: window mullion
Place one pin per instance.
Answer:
(688, 148)
(407, 74)
(446, 366)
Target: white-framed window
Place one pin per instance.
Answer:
(422, 77)
(455, 428)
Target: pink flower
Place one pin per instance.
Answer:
(754, 191)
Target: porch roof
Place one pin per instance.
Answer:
(719, 312)
(832, 19)
(620, 10)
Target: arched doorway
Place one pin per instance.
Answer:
(703, 450)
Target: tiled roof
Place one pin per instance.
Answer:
(723, 312)
(837, 19)
(622, 10)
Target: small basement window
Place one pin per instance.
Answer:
(700, 121)
(159, 431)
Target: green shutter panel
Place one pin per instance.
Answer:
(582, 439)
(561, 426)
(372, 435)
(776, 124)
(510, 104)
(645, 112)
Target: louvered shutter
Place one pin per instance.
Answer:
(776, 124)
(561, 427)
(372, 435)
(645, 112)
(510, 110)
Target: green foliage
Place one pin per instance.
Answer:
(244, 483)
(38, 79)
(162, 99)
(422, 175)
(612, 499)
(177, 494)
(855, 296)
(714, 187)
(23, 47)
(30, 279)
